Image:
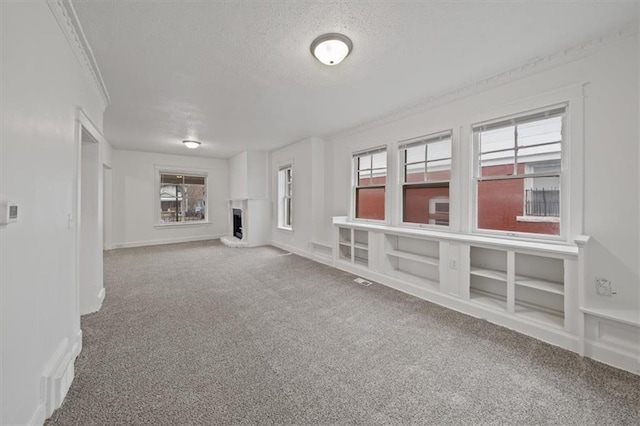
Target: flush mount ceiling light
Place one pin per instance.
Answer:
(191, 144)
(331, 49)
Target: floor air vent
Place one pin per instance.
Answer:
(363, 282)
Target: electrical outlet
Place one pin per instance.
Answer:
(453, 264)
(604, 287)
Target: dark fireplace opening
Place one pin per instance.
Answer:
(237, 223)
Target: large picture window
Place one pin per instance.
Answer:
(285, 194)
(519, 173)
(370, 174)
(183, 198)
(426, 173)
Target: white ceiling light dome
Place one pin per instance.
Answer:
(331, 49)
(191, 144)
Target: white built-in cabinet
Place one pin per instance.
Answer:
(536, 288)
(353, 246)
(531, 287)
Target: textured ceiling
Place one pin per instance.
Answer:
(239, 75)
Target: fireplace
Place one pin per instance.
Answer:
(237, 223)
(249, 221)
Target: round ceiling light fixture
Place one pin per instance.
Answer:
(191, 144)
(331, 49)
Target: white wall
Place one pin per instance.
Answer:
(610, 143)
(238, 176)
(134, 194)
(257, 169)
(247, 172)
(307, 160)
(42, 84)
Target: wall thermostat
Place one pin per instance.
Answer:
(8, 212)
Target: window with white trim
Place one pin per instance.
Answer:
(183, 198)
(370, 179)
(518, 173)
(426, 176)
(285, 197)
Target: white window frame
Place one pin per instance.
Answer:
(423, 140)
(284, 195)
(160, 169)
(565, 155)
(354, 183)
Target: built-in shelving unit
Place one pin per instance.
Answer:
(529, 286)
(535, 287)
(539, 288)
(353, 246)
(414, 260)
(488, 277)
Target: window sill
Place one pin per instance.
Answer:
(179, 224)
(501, 241)
(538, 219)
(285, 229)
(433, 226)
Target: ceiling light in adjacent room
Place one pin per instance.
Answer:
(331, 49)
(191, 144)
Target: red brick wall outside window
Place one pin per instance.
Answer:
(500, 202)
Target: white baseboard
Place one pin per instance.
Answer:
(96, 305)
(292, 249)
(614, 357)
(38, 417)
(613, 342)
(101, 296)
(318, 257)
(58, 375)
(167, 241)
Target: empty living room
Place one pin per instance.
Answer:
(319, 212)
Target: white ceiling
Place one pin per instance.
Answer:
(239, 75)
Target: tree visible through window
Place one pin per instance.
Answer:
(370, 173)
(519, 173)
(182, 198)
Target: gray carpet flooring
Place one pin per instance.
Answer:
(200, 333)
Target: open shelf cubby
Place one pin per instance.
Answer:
(353, 246)
(361, 239)
(344, 235)
(414, 260)
(539, 288)
(488, 281)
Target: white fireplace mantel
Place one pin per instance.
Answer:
(256, 220)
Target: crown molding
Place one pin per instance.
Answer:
(68, 21)
(534, 66)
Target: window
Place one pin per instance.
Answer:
(426, 173)
(285, 193)
(370, 174)
(519, 172)
(183, 198)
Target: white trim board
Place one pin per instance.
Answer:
(67, 19)
(168, 241)
(57, 377)
(535, 65)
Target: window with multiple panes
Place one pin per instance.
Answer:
(370, 174)
(518, 174)
(426, 174)
(183, 198)
(285, 193)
